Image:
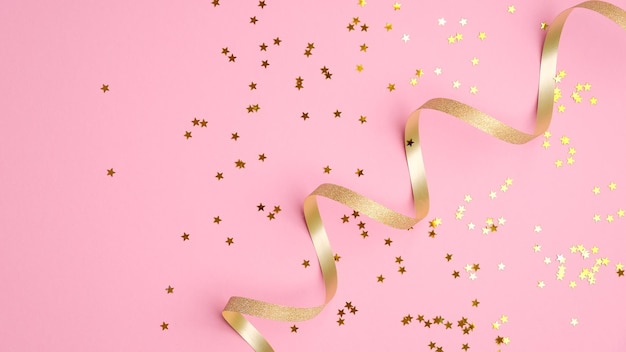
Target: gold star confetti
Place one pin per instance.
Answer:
(232, 58)
(363, 119)
(305, 263)
(359, 172)
(474, 61)
(388, 26)
(299, 81)
(380, 278)
(229, 240)
(217, 220)
(294, 328)
(277, 41)
(253, 20)
(363, 47)
(511, 9)
(104, 88)
(475, 303)
(169, 289)
(187, 135)
(359, 68)
(262, 157)
(391, 87)
(110, 172)
(164, 326)
(544, 26)
(185, 236)
(397, 6)
(215, 3)
(482, 35)
(219, 176)
(388, 242)
(362, 3)
(240, 164)
(234, 136)
(262, 4)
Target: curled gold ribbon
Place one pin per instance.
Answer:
(238, 306)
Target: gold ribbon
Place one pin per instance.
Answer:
(237, 306)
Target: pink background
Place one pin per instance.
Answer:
(85, 258)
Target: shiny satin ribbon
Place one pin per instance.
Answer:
(238, 306)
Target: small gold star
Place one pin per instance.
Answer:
(345, 219)
(305, 263)
(104, 88)
(195, 122)
(380, 278)
(234, 136)
(262, 4)
(482, 35)
(340, 321)
(225, 51)
(359, 67)
(277, 41)
(240, 164)
(544, 26)
(260, 207)
(232, 58)
(253, 20)
(185, 236)
(399, 260)
(110, 172)
(217, 220)
(337, 113)
(359, 172)
(409, 143)
(215, 3)
(336, 257)
(391, 87)
(219, 176)
(187, 134)
(252, 85)
(475, 303)
(327, 169)
(363, 47)
(164, 326)
(355, 214)
(511, 9)
(448, 257)
(363, 119)
(388, 26)
(265, 63)
(271, 216)
(388, 242)
(305, 115)
(229, 240)
(262, 157)
(364, 27)
(350, 27)
(362, 3)
(397, 6)
(294, 328)
(169, 289)
(401, 270)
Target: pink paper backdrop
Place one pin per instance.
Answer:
(86, 258)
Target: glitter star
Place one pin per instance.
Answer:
(327, 169)
(543, 26)
(359, 172)
(391, 87)
(456, 84)
(110, 172)
(169, 289)
(164, 326)
(363, 47)
(463, 22)
(437, 71)
(474, 61)
(265, 63)
(363, 119)
(359, 68)
(277, 41)
(388, 26)
(229, 240)
(240, 164)
(262, 157)
(596, 190)
(294, 328)
(397, 6)
(305, 115)
(262, 4)
(187, 135)
(511, 9)
(219, 176)
(482, 35)
(185, 236)
(217, 220)
(104, 88)
(305, 263)
(380, 278)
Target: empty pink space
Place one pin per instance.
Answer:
(154, 157)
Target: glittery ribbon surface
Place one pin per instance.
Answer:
(238, 306)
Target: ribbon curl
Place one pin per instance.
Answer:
(237, 306)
